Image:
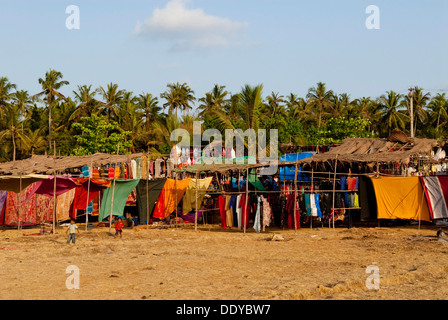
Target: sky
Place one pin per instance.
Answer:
(286, 45)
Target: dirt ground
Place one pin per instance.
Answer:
(212, 264)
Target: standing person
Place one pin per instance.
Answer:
(71, 230)
(119, 227)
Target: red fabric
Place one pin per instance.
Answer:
(244, 213)
(159, 209)
(222, 210)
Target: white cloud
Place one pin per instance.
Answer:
(189, 28)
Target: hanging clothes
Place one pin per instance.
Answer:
(189, 201)
(257, 220)
(267, 213)
(238, 209)
(222, 210)
(166, 203)
(147, 194)
(229, 212)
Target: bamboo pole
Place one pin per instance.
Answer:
(177, 201)
(196, 211)
(147, 191)
(113, 191)
(334, 187)
(247, 200)
(54, 189)
(295, 198)
(19, 197)
(312, 195)
(88, 193)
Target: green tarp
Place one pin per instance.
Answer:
(122, 190)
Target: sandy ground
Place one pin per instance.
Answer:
(211, 264)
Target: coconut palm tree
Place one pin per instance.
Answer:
(438, 109)
(12, 130)
(392, 116)
(24, 102)
(5, 93)
(112, 97)
(51, 85)
(420, 101)
(87, 104)
(320, 98)
(148, 105)
(251, 103)
(178, 96)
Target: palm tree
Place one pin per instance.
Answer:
(88, 105)
(12, 115)
(438, 110)
(50, 86)
(149, 106)
(318, 97)
(178, 96)
(251, 103)
(112, 98)
(5, 93)
(213, 101)
(274, 105)
(420, 101)
(389, 105)
(24, 102)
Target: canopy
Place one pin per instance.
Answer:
(14, 183)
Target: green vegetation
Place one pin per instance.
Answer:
(95, 120)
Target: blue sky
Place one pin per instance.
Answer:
(286, 45)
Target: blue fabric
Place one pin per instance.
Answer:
(288, 173)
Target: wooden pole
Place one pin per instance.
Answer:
(177, 201)
(312, 194)
(147, 191)
(88, 193)
(54, 189)
(113, 192)
(334, 187)
(295, 198)
(196, 211)
(246, 209)
(19, 197)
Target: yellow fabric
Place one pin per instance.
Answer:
(400, 198)
(189, 202)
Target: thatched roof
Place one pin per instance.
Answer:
(397, 149)
(48, 164)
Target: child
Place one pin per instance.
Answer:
(72, 228)
(118, 227)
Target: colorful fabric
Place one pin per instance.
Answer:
(46, 187)
(147, 194)
(17, 213)
(166, 203)
(63, 204)
(3, 197)
(436, 192)
(400, 198)
(19, 183)
(120, 191)
(189, 202)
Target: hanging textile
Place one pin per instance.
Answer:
(120, 194)
(229, 212)
(46, 187)
(85, 193)
(12, 183)
(400, 198)
(222, 210)
(267, 215)
(436, 192)
(189, 201)
(257, 222)
(166, 202)
(3, 196)
(44, 208)
(16, 212)
(238, 209)
(63, 204)
(367, 199)
(147, 197)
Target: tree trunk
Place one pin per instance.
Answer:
(13, 145)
